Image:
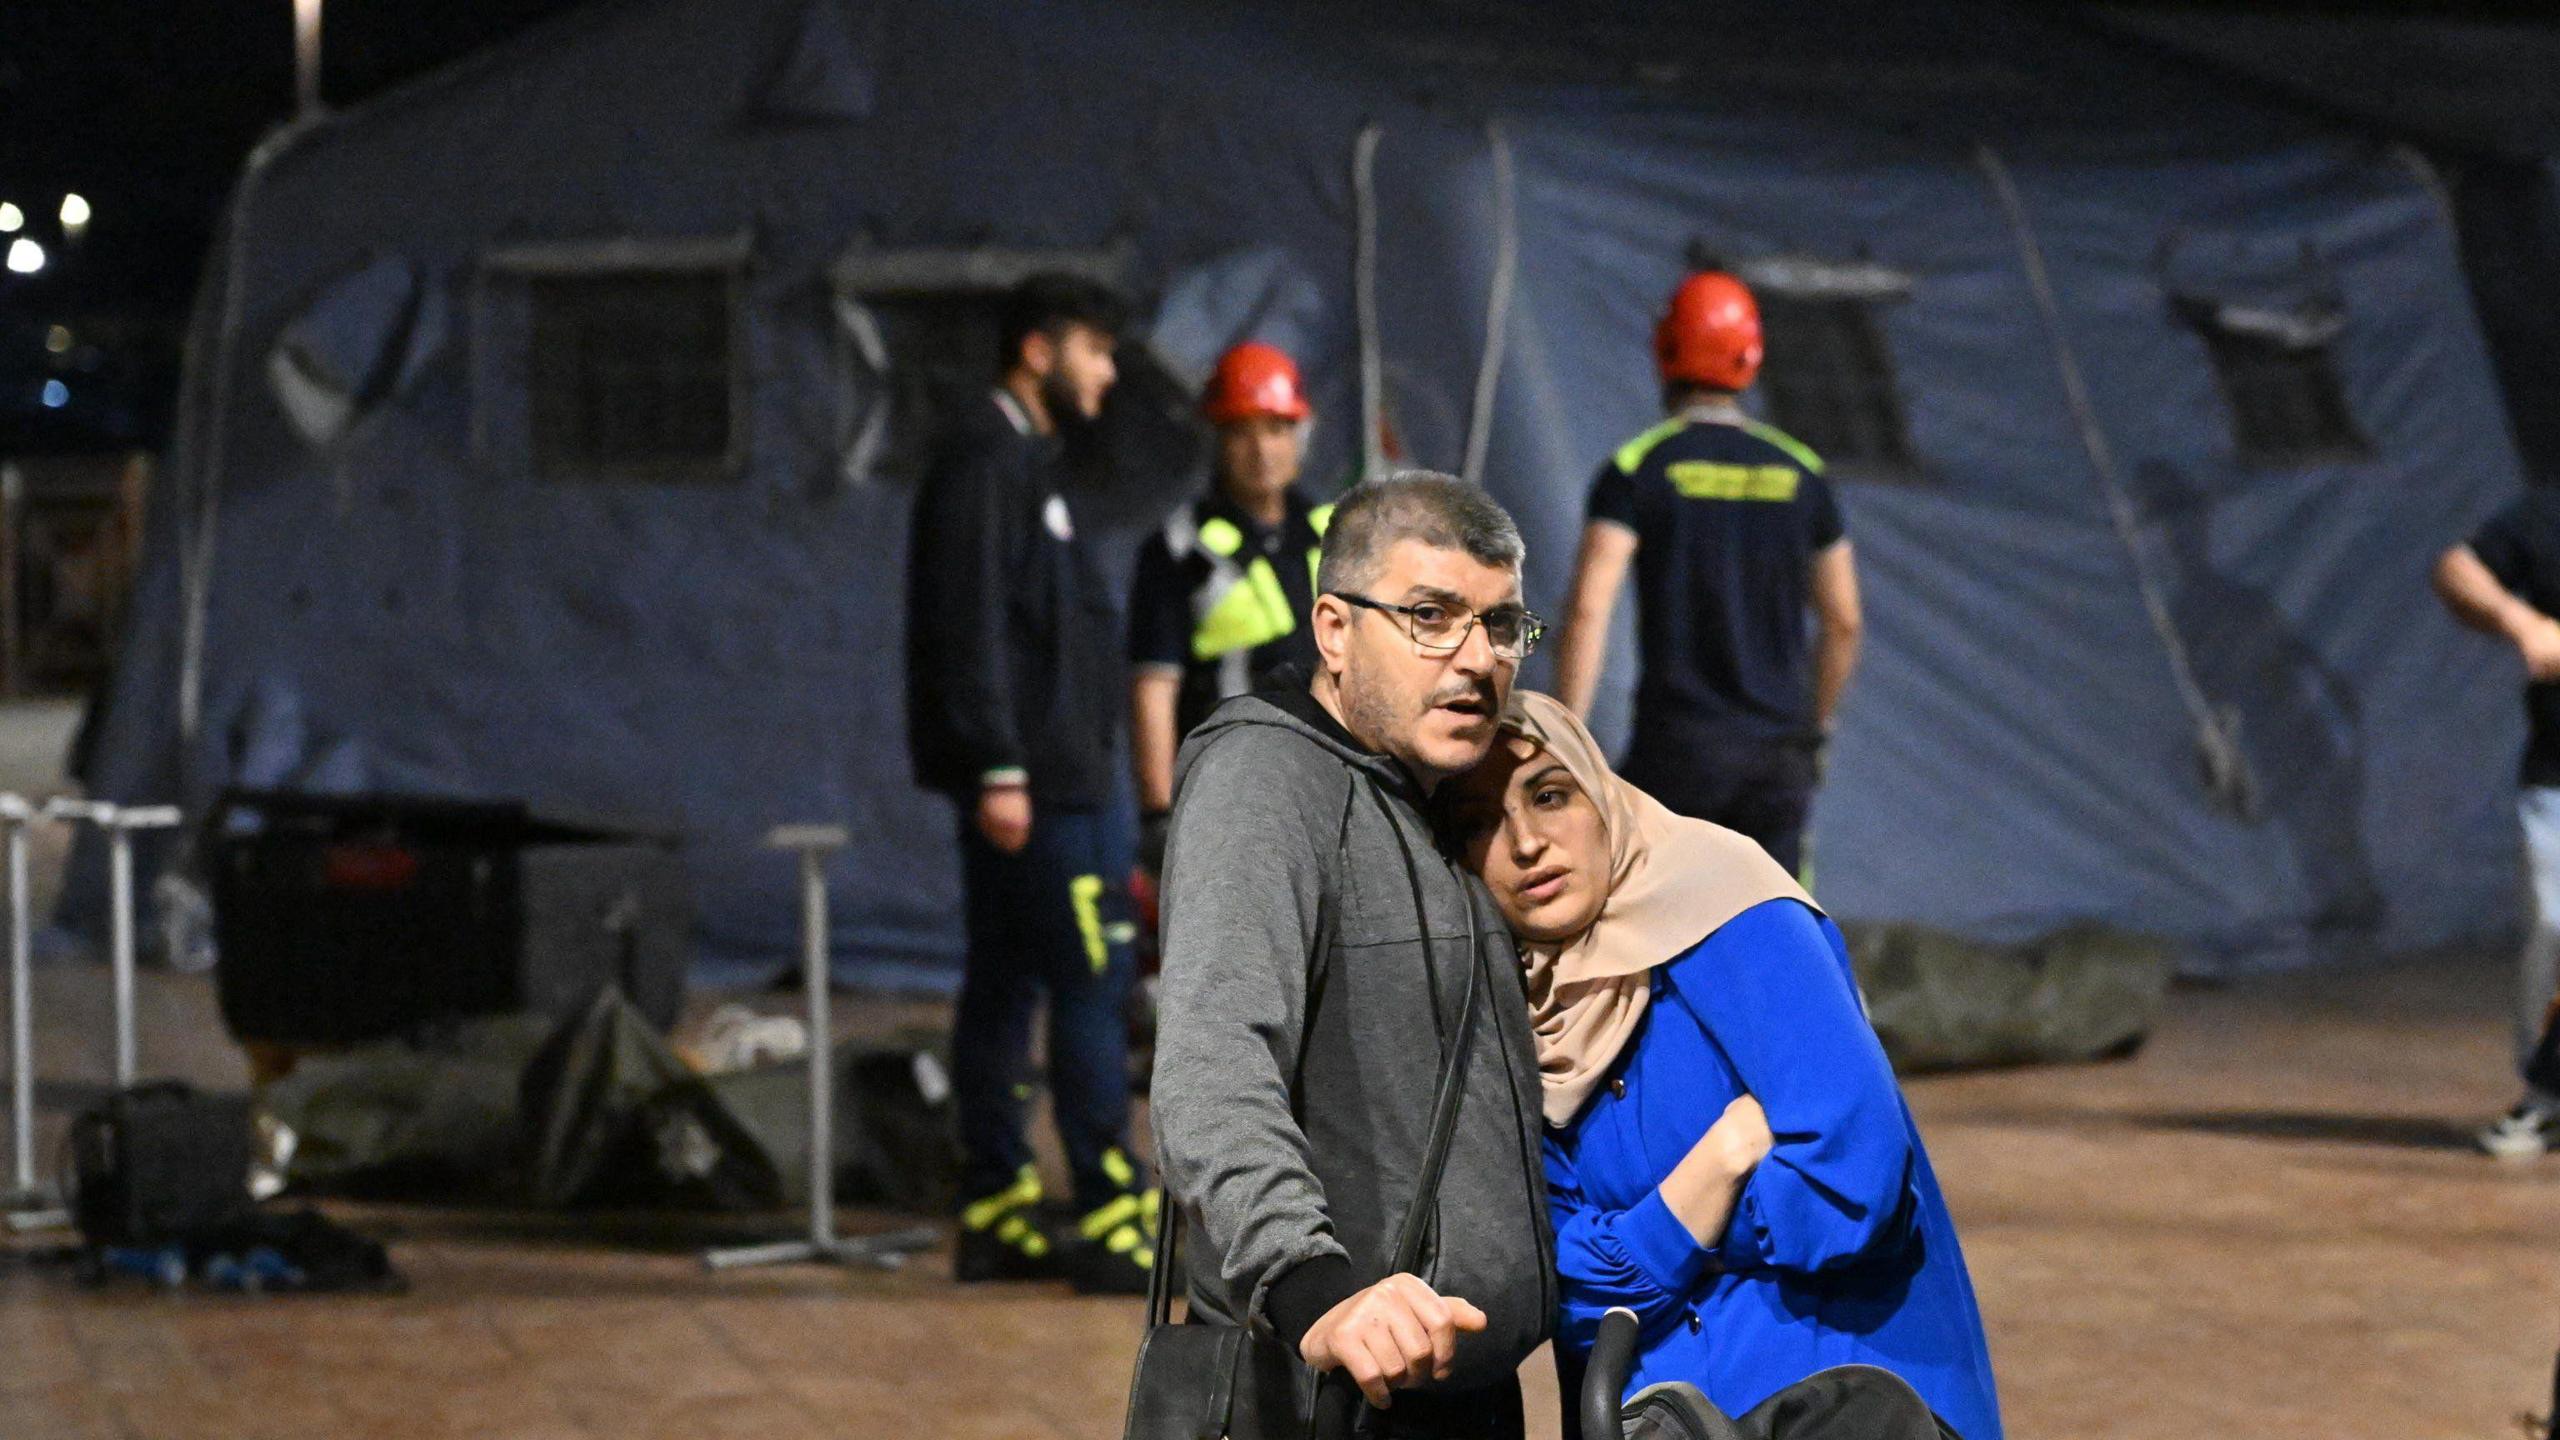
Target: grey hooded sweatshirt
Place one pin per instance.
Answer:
(1292, 1122)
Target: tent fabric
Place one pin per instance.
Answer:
(2469, 80)
(828, 73)
(721, 657)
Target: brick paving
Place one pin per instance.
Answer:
(2266, 1222)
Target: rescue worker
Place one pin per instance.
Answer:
(1014, 668)
(2505, 581)
(1221, 598)
(1732, 532)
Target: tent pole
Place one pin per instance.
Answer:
(1497, 310)
(2227, 784)
(1364, 298)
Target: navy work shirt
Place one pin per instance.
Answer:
(1729, 516)
(2521, 546)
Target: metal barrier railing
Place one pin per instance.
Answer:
(814, 843)
(34, 1203)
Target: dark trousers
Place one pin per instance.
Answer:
(1492, 1413)
(1048, 922)
(1845, 1402)
(1763, 789)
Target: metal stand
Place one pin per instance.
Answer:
(119, 822)
(823, 1246)
(30, 1204)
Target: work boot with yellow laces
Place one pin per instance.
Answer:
(1113, 1250)
(1001, 1237)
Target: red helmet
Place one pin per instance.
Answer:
(1254, 380)
(1709, 334)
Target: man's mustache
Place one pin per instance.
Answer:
(1479, 690)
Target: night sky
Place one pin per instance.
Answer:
(147, 111)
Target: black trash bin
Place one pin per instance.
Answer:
(343, 918)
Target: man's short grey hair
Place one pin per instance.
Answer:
(1425, 505)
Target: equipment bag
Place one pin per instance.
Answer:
(160, 1164)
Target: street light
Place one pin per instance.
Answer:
(12, 219)
(25, 256)
(306, 58)
(75, 216)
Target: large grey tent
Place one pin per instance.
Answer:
(549, 427)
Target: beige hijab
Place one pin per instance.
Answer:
(1673, 881)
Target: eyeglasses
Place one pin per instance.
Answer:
(1440, 629)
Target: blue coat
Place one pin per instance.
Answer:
(1839, 1251)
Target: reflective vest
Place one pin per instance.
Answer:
(1239, 606)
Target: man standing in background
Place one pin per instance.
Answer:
(1732, 533)
(1222, 596)
(1014, 675)
(2506, 582)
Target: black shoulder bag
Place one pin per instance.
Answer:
(1202, 1381)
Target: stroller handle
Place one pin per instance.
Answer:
(1604, 1379)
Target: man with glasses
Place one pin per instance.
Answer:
(1733, 534)
(1316, 949)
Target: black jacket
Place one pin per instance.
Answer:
(1013, 653)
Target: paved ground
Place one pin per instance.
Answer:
(2265, 1224)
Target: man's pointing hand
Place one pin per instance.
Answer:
(1395, 1335)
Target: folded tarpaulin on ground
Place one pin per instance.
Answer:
(600, 1110)
(431, 1114)
(1940, 1001)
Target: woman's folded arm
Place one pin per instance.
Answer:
(1643, 1257)
(1836, 1187)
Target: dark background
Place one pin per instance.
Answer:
(149, 108)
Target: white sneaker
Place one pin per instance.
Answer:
(2528, 1132)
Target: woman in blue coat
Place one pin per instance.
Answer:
(1727, 1152)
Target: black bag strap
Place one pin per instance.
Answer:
(1444, 1105)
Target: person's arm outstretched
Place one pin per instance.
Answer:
(2473, 593)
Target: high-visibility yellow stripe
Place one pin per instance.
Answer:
(1254, 611)
(1631, 454)
(1796, 449)
(1127, 1210)
(1220, 537)
(1085, 893)
(1021, 1194)
(1117, 1167)
(1713, 480)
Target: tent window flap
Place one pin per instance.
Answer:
(617, 361)
(2278, 373)
(1829, 379)
(916, 335)
(631, 376)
